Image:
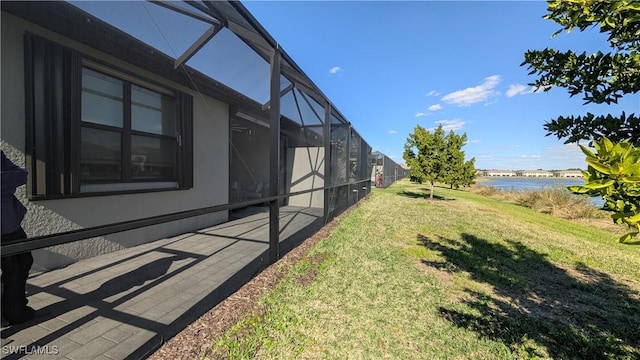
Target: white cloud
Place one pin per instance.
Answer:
(566, 156)
(433, 93)
(518, 89)
(392, 132)
(435, 107)
(472, 95)
(549, 158)
(560, 157)
(421, 114)
(335, 70)
(455, 124)
(474, 141)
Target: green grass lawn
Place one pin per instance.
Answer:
(459, 277)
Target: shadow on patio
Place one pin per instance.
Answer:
(123, 305)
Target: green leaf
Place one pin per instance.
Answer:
(630, 179)
(579, 189)
(608, 145)
(632, 164)
(598, 166)
(621, 215)
(634, 219)
(599, 184)
(586, 151)
(615, 169)
(627, 238)
(631, 6)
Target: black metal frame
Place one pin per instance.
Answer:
(39, 242)
(274, 156)
(69, 21)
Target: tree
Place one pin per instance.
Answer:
(436, 157)
(613, 171)
(600, 77)
(423, 153)
(454, 159)
(469, 172)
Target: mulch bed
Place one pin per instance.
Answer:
(195, 341)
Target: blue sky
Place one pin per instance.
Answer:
(390, 65)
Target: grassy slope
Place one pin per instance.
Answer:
(463, 276)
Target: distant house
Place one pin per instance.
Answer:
(536, 173)
(500, 173)
(569, 173)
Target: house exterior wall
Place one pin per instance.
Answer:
(307, 172)
(570, 174)
(44, 217)
(500, 173)
(536, 173)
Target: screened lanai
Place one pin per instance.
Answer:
(284, 144)
(173, 151)
(385, 171)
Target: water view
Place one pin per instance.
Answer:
(522, 183)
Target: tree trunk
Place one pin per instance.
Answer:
(431, 192)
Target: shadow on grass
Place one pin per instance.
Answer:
(421, 193)
(573, 313)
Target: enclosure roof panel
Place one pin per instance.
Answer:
(218, 39)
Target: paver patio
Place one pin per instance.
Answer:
(125, 304)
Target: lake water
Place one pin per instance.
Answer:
(520, 183)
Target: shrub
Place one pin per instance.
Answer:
(614, 174)
(554, 200)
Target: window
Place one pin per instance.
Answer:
(94, 129)
(128, 132)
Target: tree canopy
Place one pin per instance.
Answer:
(438, 157)
(599, 77)
(613, 171)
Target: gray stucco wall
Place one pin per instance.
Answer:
(306, 166)
(211, 167)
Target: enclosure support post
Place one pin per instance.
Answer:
(274, 157)
(327, 160)
(349, 172)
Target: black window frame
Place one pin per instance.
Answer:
(127, 131)
(53, 93)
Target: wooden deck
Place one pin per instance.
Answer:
(123, 305)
